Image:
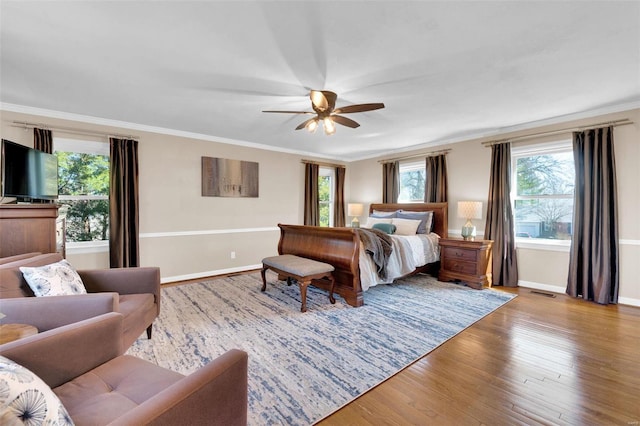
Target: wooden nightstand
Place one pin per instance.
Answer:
(466, 261)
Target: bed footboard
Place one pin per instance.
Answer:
(339, 247)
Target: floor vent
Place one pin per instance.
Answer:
(543, 293)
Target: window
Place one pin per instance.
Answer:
(325, 195)
(83, 183)
(542, 190)
(412, 179)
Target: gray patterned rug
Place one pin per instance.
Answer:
(302, 367)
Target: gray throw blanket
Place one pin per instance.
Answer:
(378, 245)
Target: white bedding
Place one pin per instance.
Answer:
(409, 253)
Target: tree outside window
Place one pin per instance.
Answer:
(412, 180)
(83, 184)
(543, 191)
(325, 196)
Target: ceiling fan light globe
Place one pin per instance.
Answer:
(329, 126)
(312, 126)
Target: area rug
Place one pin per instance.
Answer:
(303, 366)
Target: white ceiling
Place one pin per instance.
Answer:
(445, 70)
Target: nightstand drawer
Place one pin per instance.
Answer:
(454, 253)
(466, 261)
(459, 266)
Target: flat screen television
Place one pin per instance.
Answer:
(28, 174)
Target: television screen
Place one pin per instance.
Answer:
(28, 173)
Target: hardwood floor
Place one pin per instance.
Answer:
(536, 360)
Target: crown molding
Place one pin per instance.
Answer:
(199, 136)
(149, 129)
(497, 133)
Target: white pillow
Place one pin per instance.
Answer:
(26, 398)
(425, 220)
(373, 220)
(56, 279)
(405, 226)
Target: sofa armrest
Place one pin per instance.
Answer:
(216, 394)
(123, 281)
(58, 356)
(46, 313)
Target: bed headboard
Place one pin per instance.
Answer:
(440, 213)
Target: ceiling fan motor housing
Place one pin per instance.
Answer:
(323, 103)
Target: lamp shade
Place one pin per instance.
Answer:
(470, 209)
(354, 209)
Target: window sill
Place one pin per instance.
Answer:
(85, 247)
(540, 244)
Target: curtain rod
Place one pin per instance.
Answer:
(25, 125)
(424, 154)
(614, 123)
(322, 164)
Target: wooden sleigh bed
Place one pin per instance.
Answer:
(340, 247)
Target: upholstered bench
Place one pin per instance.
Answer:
(302, 270)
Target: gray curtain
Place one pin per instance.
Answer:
(123, 204)
(593, 261)
(311, 201)
(499, 226)
(43, 140)
(390, 182)
(435, 184)
(338, 212)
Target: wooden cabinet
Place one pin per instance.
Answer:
(469, 262)
(26, 228)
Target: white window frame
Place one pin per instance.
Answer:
(84, 147)
(330, 173)
(409, 166)
(527, 151)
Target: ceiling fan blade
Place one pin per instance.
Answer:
(359, 108)
(292, 112)
(304, 124)
(331, 99)
(319, 100)
(345, 121)
(323, 100)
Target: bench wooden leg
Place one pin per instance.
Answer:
(264, 279)
(303, 283)
(303, 294)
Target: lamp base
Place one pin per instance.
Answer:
(355, 223)
(469, 231)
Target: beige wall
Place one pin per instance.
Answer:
(210, 227)
(187, 235)
(191, 236)
(468, 165)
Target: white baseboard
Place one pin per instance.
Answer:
(562, 290)
(206, 274)
(629, 301)
(543, 287)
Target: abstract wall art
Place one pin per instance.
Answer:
(222, 177)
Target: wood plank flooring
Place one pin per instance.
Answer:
(536, 360)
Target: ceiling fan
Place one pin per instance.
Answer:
(323, 103)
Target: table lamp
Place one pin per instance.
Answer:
(355, 210)
(469, 210)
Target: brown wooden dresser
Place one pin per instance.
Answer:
(26, 228)
(469, 262)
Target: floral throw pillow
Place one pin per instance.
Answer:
(24, 397)
(56, 279)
